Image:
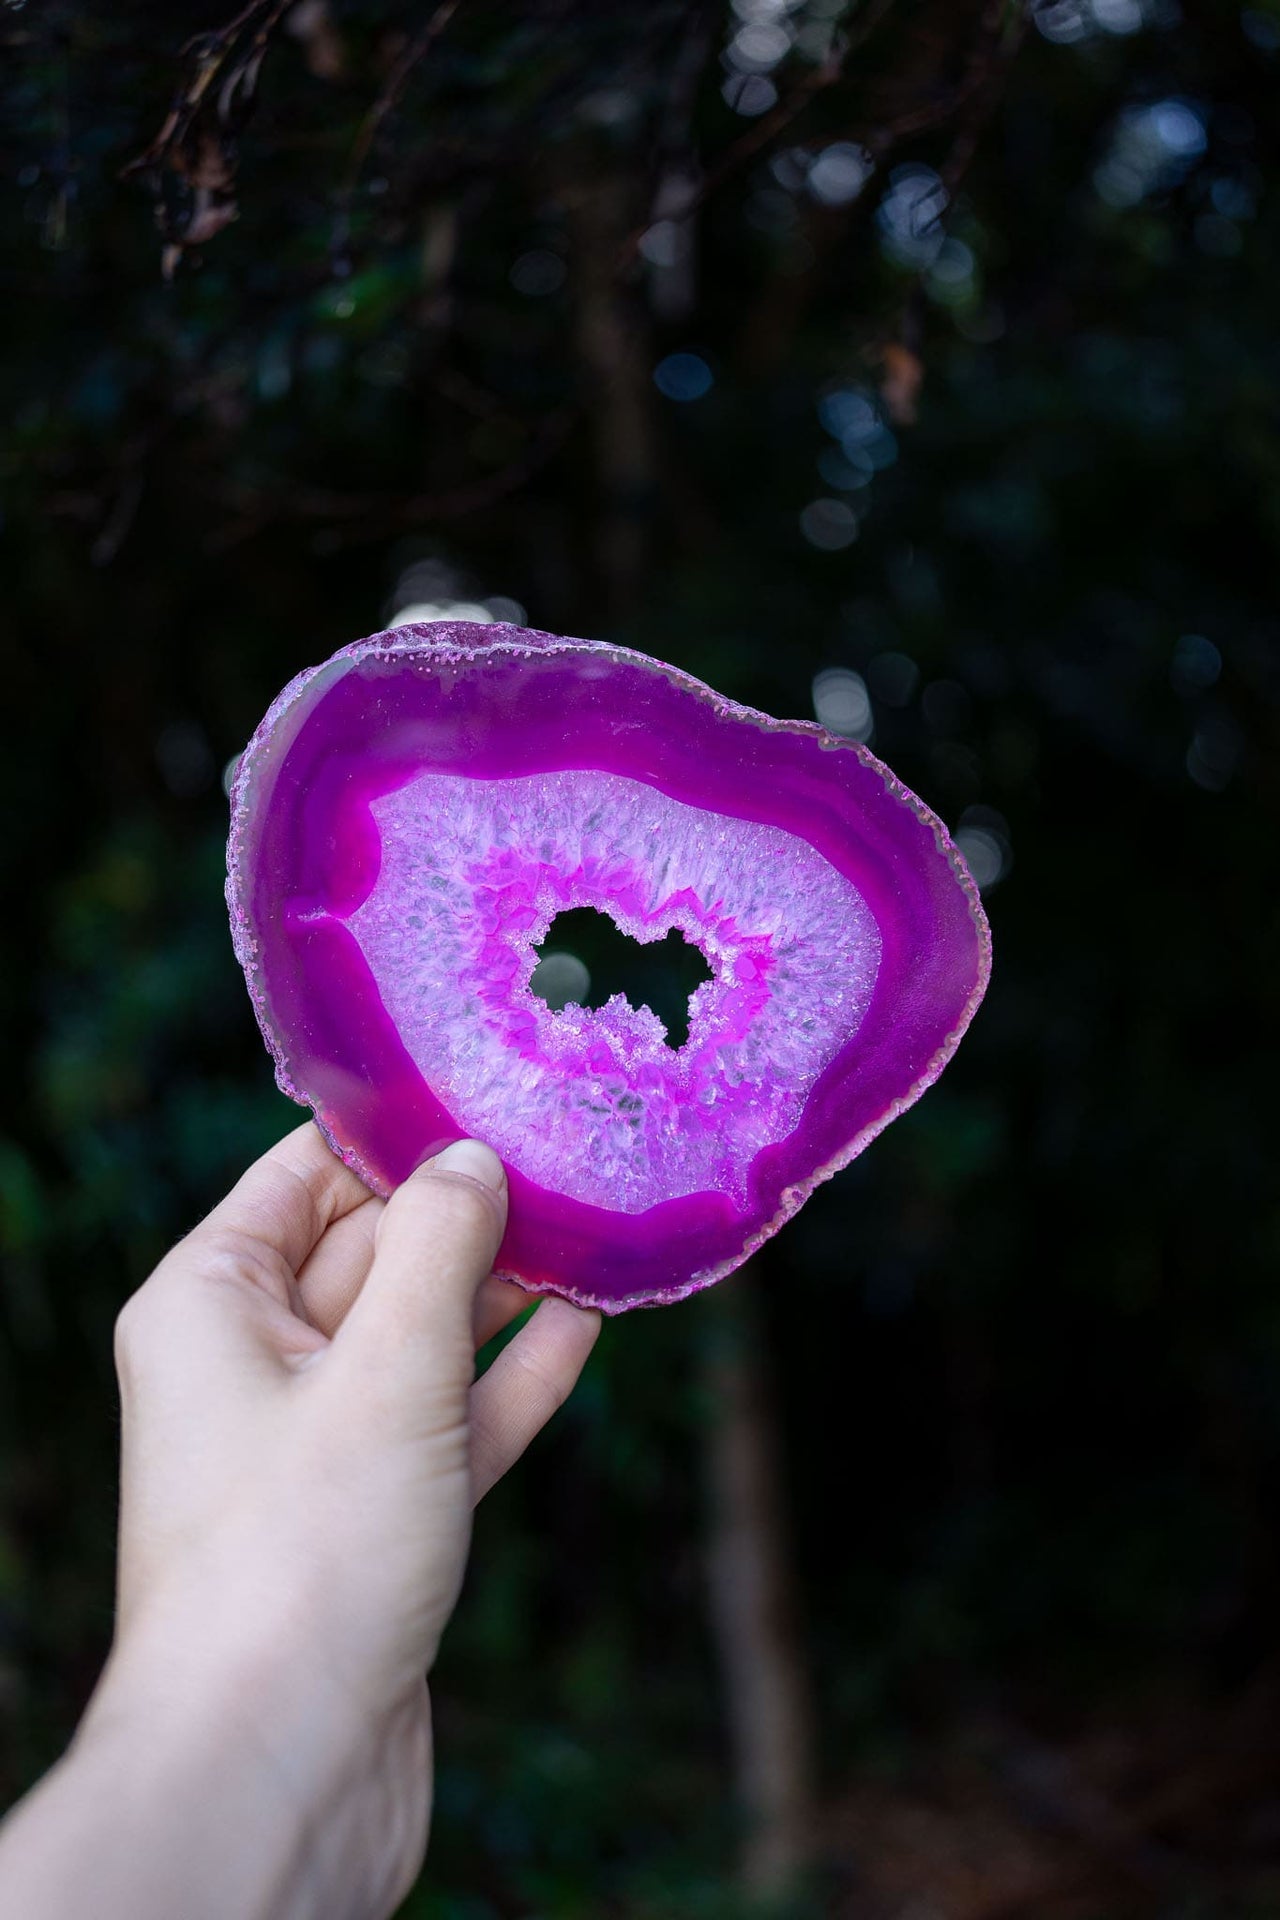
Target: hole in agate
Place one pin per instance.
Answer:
(586, 958)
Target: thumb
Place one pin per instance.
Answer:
(409, 1333)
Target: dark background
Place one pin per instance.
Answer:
(588, 311)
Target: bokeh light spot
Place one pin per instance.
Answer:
(750, 94)
(894, 678)
(839, 174)
(910, 216)
(561, 979)
(1197, 664)
(842, 704)
(683, 376)
(829, 525)
(537, 273)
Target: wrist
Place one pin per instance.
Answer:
(181, 1810)
(133, 1824)
(246, 1770)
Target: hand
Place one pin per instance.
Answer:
(302, 1447)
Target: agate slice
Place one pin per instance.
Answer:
(411, 817)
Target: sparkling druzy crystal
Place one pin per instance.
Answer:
(411, 817)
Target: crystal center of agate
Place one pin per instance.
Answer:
(593, 1103)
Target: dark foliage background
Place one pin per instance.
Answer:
(930, 344)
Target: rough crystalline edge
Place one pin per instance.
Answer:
(448, 648)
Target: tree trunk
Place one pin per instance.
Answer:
(753, 1611)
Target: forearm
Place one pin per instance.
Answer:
(199, 1802)
(134, 1825)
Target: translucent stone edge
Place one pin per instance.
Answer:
(458, 643)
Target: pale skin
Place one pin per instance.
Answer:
(302, 1447)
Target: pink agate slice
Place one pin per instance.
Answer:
(411, 817)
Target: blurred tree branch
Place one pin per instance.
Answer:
(411, 55)
(196, 147)
(918, 71)
(354, 518)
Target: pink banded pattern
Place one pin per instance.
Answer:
(408, 819)
(595, 1102)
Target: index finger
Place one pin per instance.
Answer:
(289, 1198)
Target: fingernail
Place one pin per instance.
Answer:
(473, 1158)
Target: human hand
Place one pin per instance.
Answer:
(302, 1444)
